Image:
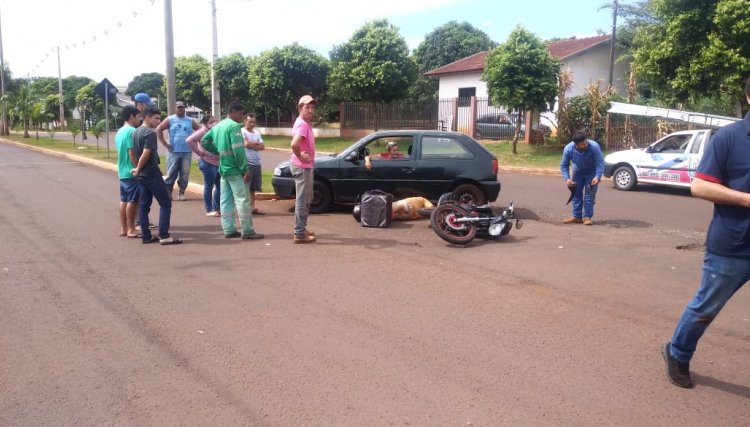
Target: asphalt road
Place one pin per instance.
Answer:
(555, 325)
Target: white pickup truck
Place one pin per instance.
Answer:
(671, 161)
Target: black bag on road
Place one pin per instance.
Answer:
(376, 209)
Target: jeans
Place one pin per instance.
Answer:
(721, 278)
(178, 164)
(584, 200)
(211, 186)
(234, 194)
(303, 186)
(154, 188)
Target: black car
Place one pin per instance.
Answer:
(429, 164)
(503, 126)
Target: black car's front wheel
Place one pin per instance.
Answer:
(469, 193)
(322, 198)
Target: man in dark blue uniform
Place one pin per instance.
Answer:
(723, 177)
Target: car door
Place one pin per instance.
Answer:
(440, 159)
(667, 160)
(391, 175)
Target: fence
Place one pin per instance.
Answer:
(643, 131)
(464, 115)
(396, 115)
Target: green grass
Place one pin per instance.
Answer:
(196, 176)
(537, 156)
(332, 145)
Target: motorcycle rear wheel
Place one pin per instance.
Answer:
(443, 222)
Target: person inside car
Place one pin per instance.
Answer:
(390, 154)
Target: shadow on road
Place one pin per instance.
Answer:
(736, 389)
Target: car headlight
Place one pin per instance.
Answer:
(276, 171)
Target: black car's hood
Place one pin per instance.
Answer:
(285, 163)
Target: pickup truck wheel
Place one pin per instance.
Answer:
(469, 193)
(624, 178)
(322, 199)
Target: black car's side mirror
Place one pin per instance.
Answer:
(351, 157)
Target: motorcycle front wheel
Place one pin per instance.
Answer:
(444, 222)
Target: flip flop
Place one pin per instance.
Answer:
(258, 212)
(170, 241)
(123, 234)
(134, 236)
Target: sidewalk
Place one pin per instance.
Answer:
(197, 189)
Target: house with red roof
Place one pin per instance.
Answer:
(587, 58)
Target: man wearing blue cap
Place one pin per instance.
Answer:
(142, 100)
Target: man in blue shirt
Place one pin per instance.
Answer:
(178, 159)
(723, 177)
(588, 166)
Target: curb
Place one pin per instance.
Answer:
(192, 187)
(198, 188)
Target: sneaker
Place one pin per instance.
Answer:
(213, 214)
(588, 221)
(305, 239)
(572, 220)
(232, 235)
(678, 372)
(181, 197)
(254, 236)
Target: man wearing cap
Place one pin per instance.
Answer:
(301, 165)
(142, 101)
(178, 159)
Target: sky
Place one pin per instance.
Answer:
(122, 39)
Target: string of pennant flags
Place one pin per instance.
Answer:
(93, 38)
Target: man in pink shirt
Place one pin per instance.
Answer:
(301, 165)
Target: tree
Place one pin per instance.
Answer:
(151, 83)
(445, 44)
(74, 127)
(193, 80)
(695, 48)
(232, 78)
(71, 84)
(521, 75)
(88, 102)
(23, 106)
(374, 65)
(278, 77)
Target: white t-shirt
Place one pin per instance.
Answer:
(253, 157)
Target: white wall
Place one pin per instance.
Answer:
(592, 66)
(450, 84)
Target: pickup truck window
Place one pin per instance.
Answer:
(675, 144)
(699, 141)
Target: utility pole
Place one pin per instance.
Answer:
(169, 42)
(4, 125)
(612, 43)
(215, 102)
(60, 91)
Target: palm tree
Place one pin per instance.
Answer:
(24, 107)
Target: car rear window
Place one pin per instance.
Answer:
(444, 148)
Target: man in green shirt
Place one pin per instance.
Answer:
(225, 139)
(126, 161)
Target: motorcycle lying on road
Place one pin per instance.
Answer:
(459, 223)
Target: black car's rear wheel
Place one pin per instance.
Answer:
(469, 193)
